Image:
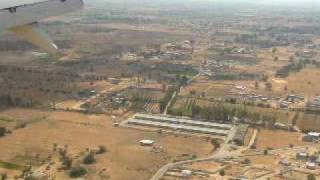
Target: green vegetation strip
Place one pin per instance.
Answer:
(7, 165)
(6, 119)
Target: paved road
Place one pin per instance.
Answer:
(221, 153)
(224, 152)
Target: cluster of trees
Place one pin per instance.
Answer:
(226, 112)
(294, 67)
(236, 76)
(165, 100)
(138, 101)
(253, 39)
(8, 100)
(77, 170)
(25, 87)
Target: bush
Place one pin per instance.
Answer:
(3, 176)
(246, 161)
(21, 125)
(89, 158)
(77, 172)
(215, 143)
(67, 162)
(3, 131)
(222, 172)
(311, 177)
(101, 150)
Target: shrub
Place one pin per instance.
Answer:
(67, 162)
(215, 143)
(21, 125)
(77, 172)
(101, 150)
(3, 176)
(3, 131)
(246, 161)
(311, 177)
(89, 158)
(222, 172)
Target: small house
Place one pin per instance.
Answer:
(311, 136)
(302, 156)
(146, 142)
(311, 165)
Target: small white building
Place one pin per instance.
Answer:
(285, 162)
(186, 173)
(302, 156)
(314, 134)
(311, 136)
(146, 142)
(241, 87)
(311, 165)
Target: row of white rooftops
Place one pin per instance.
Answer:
(182, 120)
(179, 123)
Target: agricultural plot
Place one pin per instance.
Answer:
(309, 122)
(207, 88)
(270, 139)
(152, 107)
(183, 106)
(145, 99)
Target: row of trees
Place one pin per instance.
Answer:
(294, 67)
(8, 100)
(226, 112)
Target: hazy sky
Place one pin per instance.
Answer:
(9, 3)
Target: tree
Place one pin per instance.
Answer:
(215, 143)
(222, 172)
(247, 161)
(291, 59)
(255, 117)
(276, 58)
(184, 81)
(3, 176)
(54, 147)
(89, 158)
(268, 86)
(256, 85)
(67, 162)
(274, 50)
(77, 172)
(311, 177)
(101, 150)
(265, 77)
(193, 92)
(3, 131)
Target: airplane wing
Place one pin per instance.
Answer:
(21, 17)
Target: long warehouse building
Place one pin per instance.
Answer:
(182, 121)
(182, 124)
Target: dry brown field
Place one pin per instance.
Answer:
(305, 82)
(277, 139)
(125, 159)
(209, 87)
(310, 122)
